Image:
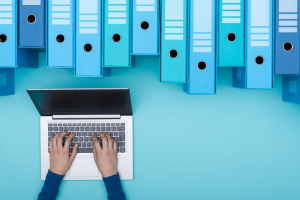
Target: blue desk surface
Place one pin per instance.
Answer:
(235, 145)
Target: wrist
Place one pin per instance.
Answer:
(109, 174)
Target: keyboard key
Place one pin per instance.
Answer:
(117, 139)
(76, 128)
(78, 124)
(122, 136)
(102, 128)
(86, 139)
(93, 124)
(74, 124)
(85, 150)
(83, 145)
(122, 150)
(54, 124)
(116, 133)
(72, 144)
(61, 129)
(97, 128)
(59, 124)
(49, 124)
(49, 139)
(92, 128)
(78, 144)
(50, 128)
(84, 124)
(98, 124)
(118, 150)
(75, 139)
(91, 139)
(107, 124)
(113, 124)
(86, 128)
(81, 139)
(89, 144)
(71, 129)
(89, 124)
(81, 128)
(90, 133)
(122, 124)
(117, 124)
(69, 124)
(66, 129)
(51, 134)
(108, 128)
(111, 134)
(78, 134)
(121, 144)
(113, 128)
(120, 128)
(95, 133)
(102, 124)
(65, 124)
(55, 129)
(84, 133)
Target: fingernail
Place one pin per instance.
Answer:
(75, 145)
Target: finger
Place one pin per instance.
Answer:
(104, 140)
(115, 146)
(74, 152)
(96, 143)
(59, 139)
(54, 140)
(94, 153)
(68, 141)
(110, 141)
(50, 144)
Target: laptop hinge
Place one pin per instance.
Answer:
(86, 117)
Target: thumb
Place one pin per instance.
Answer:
(74, 152)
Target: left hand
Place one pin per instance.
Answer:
(60, 160)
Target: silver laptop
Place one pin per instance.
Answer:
(86, 112)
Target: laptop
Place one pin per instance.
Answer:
(86, 112)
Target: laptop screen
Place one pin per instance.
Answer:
(82, 101)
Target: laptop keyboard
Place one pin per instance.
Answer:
(84, 132)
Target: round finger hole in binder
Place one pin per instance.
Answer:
(287, 46)
(60, 38)
(31, 19)
(202, 65)
(145, 25)
(3, 38)
(116, 37)
(231, 37)
(259, 60)
(173, 53)
(88, 48)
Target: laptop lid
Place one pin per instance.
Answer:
(81, 101)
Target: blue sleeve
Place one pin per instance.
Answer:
(50, 189)
(114, 188)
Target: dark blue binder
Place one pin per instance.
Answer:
(291, 89)
(32, 23)
(287, 37)
(7, 82)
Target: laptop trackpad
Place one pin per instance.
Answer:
(84, 167)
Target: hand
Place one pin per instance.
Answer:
(60, 161)
(106, 158)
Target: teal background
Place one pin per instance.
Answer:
(236, 145)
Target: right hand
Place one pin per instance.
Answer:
(106, 157)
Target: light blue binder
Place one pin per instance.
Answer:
(259, 71)
(145, 28)
(10, 55)
(117, 34)
(88, 39)
(259, 53)
(60, 34)
(7, 83)
(202, 51)
(291, 89)
(173, 59)
(231, 33)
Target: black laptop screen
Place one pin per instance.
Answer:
(82, 101)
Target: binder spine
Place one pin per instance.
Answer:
(61, 33)
(291, 89)
(202, 56)
(231, 33)
(287, 37)
(259, 54)
(8, 35)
